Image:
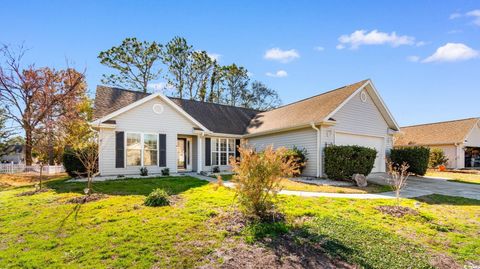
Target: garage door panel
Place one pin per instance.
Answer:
(377, 143)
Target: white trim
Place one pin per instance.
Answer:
(144, 100)
(319, 135)
(281, 130)
(377, 95)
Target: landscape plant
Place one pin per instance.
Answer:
(342, 162)
(158, 197)
(416, 157)
(398, 175)
(299, 156)
(165, 171)
(143, 171)
(437, 158)
(258, 178)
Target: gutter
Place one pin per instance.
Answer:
(318, 147)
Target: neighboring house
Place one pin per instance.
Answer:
(152, 130)
(16, 155)
(459, 140)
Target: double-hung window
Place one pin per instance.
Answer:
(142, 149)
(222, 150)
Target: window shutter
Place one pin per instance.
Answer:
(237, 145)
(208, 149)
(162, 140)
(119, 150)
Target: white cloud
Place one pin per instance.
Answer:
(278, 74)
(452, 52)
(319, 48)
(455, 31)
(476, 16)
(160, 86)
(340, 47)
(455, 15)
(413, 59)
(283, 56)
(214, 56)
(362, 37)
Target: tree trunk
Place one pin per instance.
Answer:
(41, 170)
(28, 146)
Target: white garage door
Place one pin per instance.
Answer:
(342, 139)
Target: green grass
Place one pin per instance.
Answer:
(42, 230)
(299, 186)
(457, 177)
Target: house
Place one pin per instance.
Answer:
(459, 140)
(139, 129)
(16, 154)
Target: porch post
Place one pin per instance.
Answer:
(199, 153)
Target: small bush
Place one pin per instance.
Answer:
(73, 166)
(437, 158)
(143, 171)
(342, 162)
(165, 172)
(215, 169)
(158, 197)
(298, 156)
(416, 157)
(258, 179)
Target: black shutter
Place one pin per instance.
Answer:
(208, 149)
(237, 145)
(162, 138)
(119, 150)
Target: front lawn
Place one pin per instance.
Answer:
(119, 231)
(300, 186)
(456, 177)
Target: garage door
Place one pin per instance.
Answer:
(342, 139)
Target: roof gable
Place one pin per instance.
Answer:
(439, 133)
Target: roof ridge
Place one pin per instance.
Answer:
(439, 122)
(123, 89)
(215, 104)
(307, 98)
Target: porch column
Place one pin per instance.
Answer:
(200, 153)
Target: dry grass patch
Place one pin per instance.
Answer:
(299, 186)
(456, 177)
(24, 179)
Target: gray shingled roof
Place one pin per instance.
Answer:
(215, 117)
(235, 120)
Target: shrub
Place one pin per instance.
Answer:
(342, 162)
(73, 165)
(143, 171)
(165, 172)
(416, 157)
(298, 156)
(215, 169)
(437, 158)
(258, 177)
(158, 197)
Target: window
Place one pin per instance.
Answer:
(150, 149)
(134, 149)
(222, 150)
(142, 149)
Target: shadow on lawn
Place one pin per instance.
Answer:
(141, 186)
(438, 199)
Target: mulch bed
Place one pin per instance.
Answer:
(86, 198)
(30, 193)
(396, 211)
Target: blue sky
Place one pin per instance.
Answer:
(423, 57)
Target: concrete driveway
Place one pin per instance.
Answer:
(418, 186)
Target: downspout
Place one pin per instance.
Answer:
(318, 148)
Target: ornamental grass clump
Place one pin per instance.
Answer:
(258, 179)
(158, 197)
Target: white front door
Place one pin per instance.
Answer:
(377, 143)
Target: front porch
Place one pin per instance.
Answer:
(472, 157)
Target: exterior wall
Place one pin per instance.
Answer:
(357, 117)
(143, 119)
(194, 154)
(473, 138)
(302, 138)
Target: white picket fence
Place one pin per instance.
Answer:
(10, 168)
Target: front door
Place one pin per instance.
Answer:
(181, 153)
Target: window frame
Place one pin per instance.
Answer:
(219, 151)
(142, 150)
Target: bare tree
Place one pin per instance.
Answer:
(31, 95)
(398, 176)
